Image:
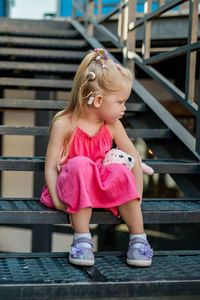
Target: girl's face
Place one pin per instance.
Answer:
(113, 105)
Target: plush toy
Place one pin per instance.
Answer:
(119, 157)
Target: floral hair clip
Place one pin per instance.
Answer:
(117, 64)
(102, 53)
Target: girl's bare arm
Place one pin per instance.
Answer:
(125, 144)
(54, 149)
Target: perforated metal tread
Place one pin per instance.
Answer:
(50, 276)
(158, 210)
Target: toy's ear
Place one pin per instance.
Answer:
(147, 169)
(98, 101)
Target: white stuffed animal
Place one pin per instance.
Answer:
(117, 156)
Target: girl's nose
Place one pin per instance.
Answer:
(124, 107)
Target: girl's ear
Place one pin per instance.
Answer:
(98, 101)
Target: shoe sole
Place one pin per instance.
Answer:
(81, 262)
(139, 263)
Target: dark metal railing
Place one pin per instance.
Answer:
(128, 22)
(190, 49)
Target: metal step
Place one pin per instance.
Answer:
(28, 24)
(183, 135)
(40, 32)
(53, 105)
(42, 130)
(26, 83)
(188, 184)
(171, 273)
(146, 120)
(66, 55)
(149, 133)
(36, 67)
(162, 149)
(43, 42)
(160, 166)
(19, 104)
(155, 211)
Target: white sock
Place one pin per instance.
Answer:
(83, 235)
(142, 236)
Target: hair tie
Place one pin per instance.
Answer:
(104, 66)
(118, 66)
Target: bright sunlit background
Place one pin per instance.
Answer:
(32, 9)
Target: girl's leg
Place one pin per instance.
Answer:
(81, 220)
(131, 213)
(139, 253)
(81, 249)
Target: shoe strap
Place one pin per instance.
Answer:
(138, 240)
(83, 240)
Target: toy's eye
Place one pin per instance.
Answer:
(129, 158)
(121, 156)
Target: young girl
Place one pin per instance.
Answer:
(80, 136)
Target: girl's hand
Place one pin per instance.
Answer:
(118, 216)
(61, 206)
(58, 168)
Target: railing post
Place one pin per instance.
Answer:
(90, 13)
(191, 55)
(74, 11)
(147, 31)
(198, 122)
(131, 38)
(99, 8)
(161, 3)
(122, 27)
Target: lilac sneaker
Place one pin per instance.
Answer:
(141, 256)
(81, 255)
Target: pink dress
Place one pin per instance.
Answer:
(83, 182)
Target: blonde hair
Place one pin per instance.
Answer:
(105, 70)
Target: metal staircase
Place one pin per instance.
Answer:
(43, 56)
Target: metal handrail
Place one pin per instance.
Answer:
(172, 53)
(187, 98)
(126, 43)
(85, 7)
(156, 14)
